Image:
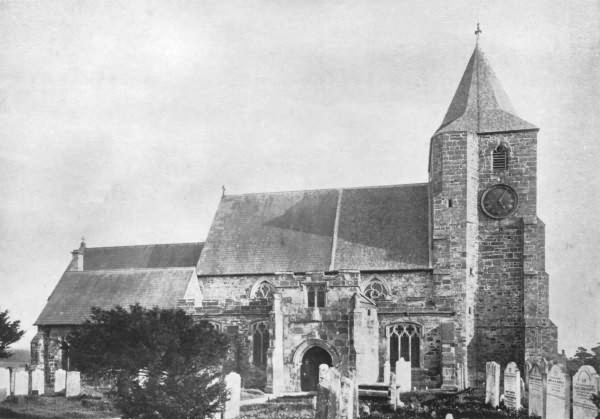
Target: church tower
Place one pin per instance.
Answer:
(487, 241)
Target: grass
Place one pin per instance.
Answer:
(48, 407)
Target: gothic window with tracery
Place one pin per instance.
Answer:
(264, 291)
(404, 341)
(260, 343)
(500, 157)
(375, 289)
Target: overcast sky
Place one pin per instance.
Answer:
(120, 120)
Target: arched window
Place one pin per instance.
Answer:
(375, 289)
(260, 343)
(263, 290)
(500, 157)
(404, 341)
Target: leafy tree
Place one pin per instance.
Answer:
(583, 357)
(164, 364)
(9, 333)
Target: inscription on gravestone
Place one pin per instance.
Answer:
(557, 394)
(512, 386)
(585, 383)
(537, 385)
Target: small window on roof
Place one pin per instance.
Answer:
(500, 157)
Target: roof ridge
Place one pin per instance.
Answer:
(333, 189)
(169, 268)
(141, 245)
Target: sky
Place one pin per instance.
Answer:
(121, 120)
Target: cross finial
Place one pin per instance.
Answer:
(223, 190)
(478, 31)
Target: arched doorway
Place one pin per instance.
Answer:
(309, 371)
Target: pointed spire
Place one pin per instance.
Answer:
(480, 103)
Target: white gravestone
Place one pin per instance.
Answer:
(403, 375)
(537, 390)
(585, 383)
(335, 390)
(73, 384)
(233, 383)
(557, 394)
(21, 383)
(4, 383)
(512, 386)
(60, 380)
(347, 399)
(37, 381)
(492, 383)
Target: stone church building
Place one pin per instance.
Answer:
(446, 274)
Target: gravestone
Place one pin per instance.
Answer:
(492, 383)
(73, 384)
(60, 380)
(537, 391)
(558, 395)
(512, 386)
(4, 383)
(37, 381)
(21, 383)
(323, 392)
(585, 383)
(334, 394)
(393, 391)
(233, 383)
(347, 399)
(403, 375)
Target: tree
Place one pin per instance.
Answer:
(164, 364)
(9, 333)
(583, 357)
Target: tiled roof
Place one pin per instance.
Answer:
(480, 104)
(78, 291)
(145, 256)
(362, 228)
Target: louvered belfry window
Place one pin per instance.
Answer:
(500, 158)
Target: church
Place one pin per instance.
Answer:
(447, 274)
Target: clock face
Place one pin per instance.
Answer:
(499, 201)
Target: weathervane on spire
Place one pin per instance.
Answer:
(478, 31)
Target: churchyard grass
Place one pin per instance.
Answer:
(48, 407)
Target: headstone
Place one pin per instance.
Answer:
(512, 386)
(557, 394)
(403, 375)
(73, 384)
(335, 389)
(347, 399)
(60, 380)
(537, 391)
(21, 383)
(492, 383)
(322, 392)
(4, 383)
(233, 383)
(393, 391)
(37, 381)
(585, 383)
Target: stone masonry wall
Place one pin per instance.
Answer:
(454, 180)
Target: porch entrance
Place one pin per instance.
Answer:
(309, 371)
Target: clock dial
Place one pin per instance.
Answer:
(499, 201)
